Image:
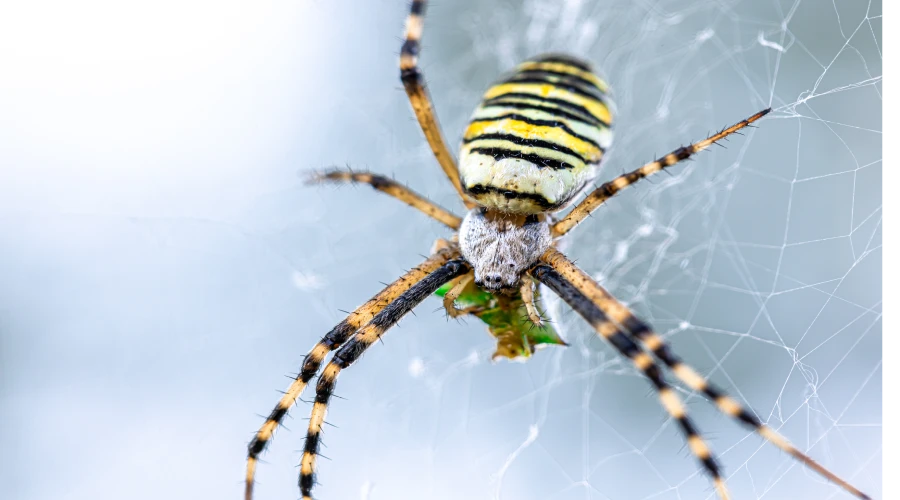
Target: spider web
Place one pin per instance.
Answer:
(164, 266)
(760, 263)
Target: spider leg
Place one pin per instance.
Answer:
(354, 348)
(644, 362)
(639, 330)
(419, 98)
(609, 189)
(332, 340)
(392, 188)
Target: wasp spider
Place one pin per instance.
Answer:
(535, 141)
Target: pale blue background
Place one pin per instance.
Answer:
(162, 267)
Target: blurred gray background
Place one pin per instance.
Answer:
(163, 267)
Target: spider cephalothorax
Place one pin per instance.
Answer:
(501, 246)
(534, 142)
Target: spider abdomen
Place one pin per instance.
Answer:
(537, 137)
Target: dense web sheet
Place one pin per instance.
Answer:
(164, 267)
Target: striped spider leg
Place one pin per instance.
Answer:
(421, 101)
(353, 349)
(391, 188)
(611, 333)
(331, 341)
(614, 322)
(609, 189)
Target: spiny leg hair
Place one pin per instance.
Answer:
(353, 349)
(609, 189)
(653, 342)
(612, 334)
(332, 340)
(419, 98)
(392, 188)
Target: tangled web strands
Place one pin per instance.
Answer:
(760, 263)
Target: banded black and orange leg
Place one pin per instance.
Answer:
(421, 101)
(332, 340)
(642, 332)
(392, 188)
(353, 349)
(644, 362)
(609, 189)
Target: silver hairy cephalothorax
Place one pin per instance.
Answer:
(501, 248)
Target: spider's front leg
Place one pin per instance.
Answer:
(442, 253)
(565, 277)
(353, 349)
(611, 333)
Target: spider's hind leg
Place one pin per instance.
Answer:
(421, 101)
(609, 189)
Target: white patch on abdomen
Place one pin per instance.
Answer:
(555, 186)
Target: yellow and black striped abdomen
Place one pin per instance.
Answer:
(537, 137)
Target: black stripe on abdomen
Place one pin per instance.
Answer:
(541, 123)
(538, 160)
(529, 143)
(539, 200)
(541, 72)
(561, 59)
(551, 105)
(539, 77)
